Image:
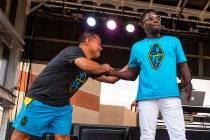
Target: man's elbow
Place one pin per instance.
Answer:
(134, 78)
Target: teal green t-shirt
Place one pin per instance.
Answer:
(157, 59)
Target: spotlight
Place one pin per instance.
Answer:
(130, 28)
(111, 24)
(91, 21)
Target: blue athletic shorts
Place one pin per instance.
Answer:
(36, 118)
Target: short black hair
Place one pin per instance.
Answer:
(146, 12)
(86, 35)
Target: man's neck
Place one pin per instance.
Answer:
(153, 36)
(85, 50)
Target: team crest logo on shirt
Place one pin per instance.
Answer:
(78, 81)
(24, 121)
(156, 56)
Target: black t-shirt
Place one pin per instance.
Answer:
(60, 79)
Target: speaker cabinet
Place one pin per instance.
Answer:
(94, 132)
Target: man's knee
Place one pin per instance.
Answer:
(17, 135)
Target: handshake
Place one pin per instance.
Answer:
(109, 71)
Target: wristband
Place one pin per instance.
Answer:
(112, 72)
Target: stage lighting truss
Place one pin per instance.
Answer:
(69, 9)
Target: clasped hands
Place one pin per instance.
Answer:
(109, 70)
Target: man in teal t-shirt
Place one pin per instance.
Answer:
(155, 60)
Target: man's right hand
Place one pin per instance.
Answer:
(108, 69)
(106, 66)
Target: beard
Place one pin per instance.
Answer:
(155, 30)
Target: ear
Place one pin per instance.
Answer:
(86, 41)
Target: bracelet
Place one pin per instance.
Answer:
(112, 72)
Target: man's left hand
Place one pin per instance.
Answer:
(188, 91)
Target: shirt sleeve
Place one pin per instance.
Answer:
(180, 56)
(69, 55)
(133, 59)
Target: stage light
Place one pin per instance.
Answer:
(91, 21)
(111, 24)
(130, 28)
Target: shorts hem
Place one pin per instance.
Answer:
(27, 132)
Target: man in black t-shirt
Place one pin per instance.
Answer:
(46, 108)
